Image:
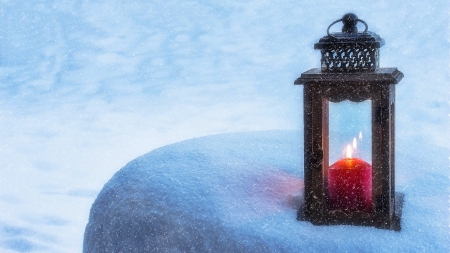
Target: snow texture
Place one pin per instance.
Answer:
(88, 85)
(240, 193)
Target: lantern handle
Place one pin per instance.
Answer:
(342, 19)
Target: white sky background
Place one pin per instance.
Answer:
(86, 86)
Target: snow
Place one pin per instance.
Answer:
(240, 193)
(88, 85)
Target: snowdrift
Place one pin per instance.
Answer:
(240, 193)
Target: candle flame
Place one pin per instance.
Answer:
(360, 135)
(354, 143)
(349, 151)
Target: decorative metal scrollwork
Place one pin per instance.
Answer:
(349, 58)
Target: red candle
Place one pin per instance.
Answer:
(350, 185)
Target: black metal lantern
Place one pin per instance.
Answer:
(358, 189)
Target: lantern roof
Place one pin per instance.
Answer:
(350, 34)
(379, 76)
(366, 38)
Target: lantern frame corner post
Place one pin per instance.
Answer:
(307, 144)
(315, 159)
(383, 127)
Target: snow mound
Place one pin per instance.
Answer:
(238, 193)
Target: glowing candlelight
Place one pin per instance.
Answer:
(348, 151)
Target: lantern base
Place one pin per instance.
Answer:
(357, 218)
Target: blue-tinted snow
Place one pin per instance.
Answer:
(240, 193)
(87, 86)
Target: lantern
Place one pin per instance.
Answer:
(349, 144)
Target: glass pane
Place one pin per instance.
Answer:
(350, 156)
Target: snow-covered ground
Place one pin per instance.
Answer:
(87, 86)
(240, 193)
